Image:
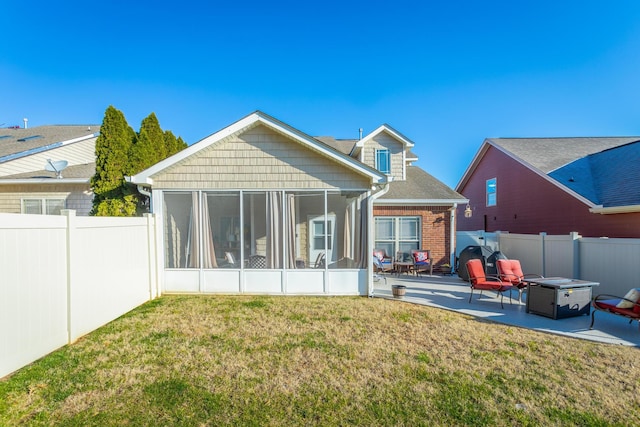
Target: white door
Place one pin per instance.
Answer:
(317, 233)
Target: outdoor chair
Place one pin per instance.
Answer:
(320, 260)
(378, 270)
(479, 280)
(385, 260)
(627, 306)
(230, 260)
(510, 271)
(422, 261)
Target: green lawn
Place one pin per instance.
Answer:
(242, 360)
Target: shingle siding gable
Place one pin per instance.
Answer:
(396, 151)
(258, 158)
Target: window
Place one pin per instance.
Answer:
(397, 234)
(42, 206)
(491, 192)
(383, 161)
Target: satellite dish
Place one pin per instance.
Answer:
(56, 166)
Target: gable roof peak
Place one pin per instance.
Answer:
(390, 130)
(250, 121)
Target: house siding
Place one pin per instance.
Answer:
(436, 227)
(78, 153)
(396, 150)
(77, 196)
(259, 158)
(529, 204)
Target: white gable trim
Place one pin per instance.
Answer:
(145, 177)
(385, 128)
(599, 209)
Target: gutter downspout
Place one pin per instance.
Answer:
(147, 193)
(373, 197)
(452, 236)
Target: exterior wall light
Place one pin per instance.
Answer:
(467, 211)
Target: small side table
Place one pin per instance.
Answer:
(403, 267)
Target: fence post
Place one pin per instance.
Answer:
(575, 241)
(151, 253)
(71, 235)
(544, 258)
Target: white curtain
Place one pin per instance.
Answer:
(291, 231)
(174, 243)
(362, 255)
(208, 250)
(347, 245)
(193, 254)
(274, 229)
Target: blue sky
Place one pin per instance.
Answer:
(447, 74)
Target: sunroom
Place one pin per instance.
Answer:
(262, 208)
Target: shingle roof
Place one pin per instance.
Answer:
(85, 171)
(609, 178)
(605, 171)
(10, 143)
(420, 185)
(548, 154)
(342, 145)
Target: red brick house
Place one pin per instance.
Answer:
(418, 210)
(554, 185)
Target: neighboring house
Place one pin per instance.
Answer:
(554, 185)
(28, 160)
(261, 207)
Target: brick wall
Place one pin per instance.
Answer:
(436, 227)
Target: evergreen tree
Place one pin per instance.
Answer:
(112, 197)
(120, 152)
(170, 143)
(149, 146)
(181, 145)
(173, 144)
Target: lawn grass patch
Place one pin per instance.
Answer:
(247, 360)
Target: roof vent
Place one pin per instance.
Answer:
(25, 122)
(27, 138)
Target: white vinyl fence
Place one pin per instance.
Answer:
(611, 262)
(62, 277)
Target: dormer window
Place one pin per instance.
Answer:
(383, 161)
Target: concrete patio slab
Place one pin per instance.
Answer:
(452, 293)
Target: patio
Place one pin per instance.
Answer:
(452, 293)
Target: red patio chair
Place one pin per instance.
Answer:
(479, 280)
(510, 271)
(627, 306)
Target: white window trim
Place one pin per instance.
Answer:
(43, 203)
(377, 162)
(494, 192)
(396, 238)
